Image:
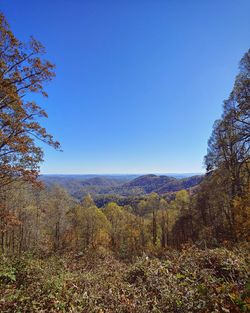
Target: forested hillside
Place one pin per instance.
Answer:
(122, 185)
(139, 244)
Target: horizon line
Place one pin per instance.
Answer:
(144, 173)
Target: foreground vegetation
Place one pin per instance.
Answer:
(189, 281)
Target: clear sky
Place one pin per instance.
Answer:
(139, 83)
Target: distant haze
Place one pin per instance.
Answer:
(117, 175)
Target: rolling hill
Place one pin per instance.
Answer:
(126, 185)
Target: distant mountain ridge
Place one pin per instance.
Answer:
(150, 183)
(125, 186)
(163, 184)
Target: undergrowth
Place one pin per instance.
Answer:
(192, 280)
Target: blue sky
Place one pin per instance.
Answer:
(139, 83)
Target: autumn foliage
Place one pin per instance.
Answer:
(185, 251)
(22, 72)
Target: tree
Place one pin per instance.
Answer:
(89, 225)
(164, 222)
(213, 219)
(182, 201)
(229, 145)
(22, 72)
(182, 230)
(116, 217)
(59, 203)
(242, 216)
